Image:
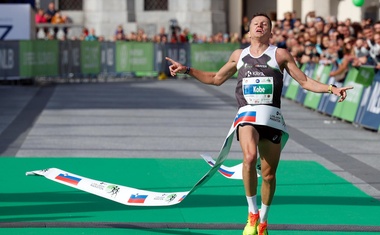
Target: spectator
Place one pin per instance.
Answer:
(132, 37)
(40, 17)
(84, 34)
(119, 36)
(119, 33)
(278, 38)
(288, 19)
(368, 34)
(319, 24)
(309, 53)
(101, 38)
(245, 39)
(162, 34)
(361, 50)
(235, 38)
(347, 61)
(295, 48)
(375, 50)
(58, 18)
(332, 20)
(50, 12)
(323, 44)
(298, 26)
(313, 35)
(327, 28)
(218, 38)
(366, 21)
(91, 35)
(376, 26)
(244, 26)
(330, 55)
(286, 26)
(141, 36)
(202, 39)
(226, 38)
(293, 18)
(301, 38)
(341, 46)
(164, 38)
(344, 30)
(174, 36)
(309, 19)
(184, 36)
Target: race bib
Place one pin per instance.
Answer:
(258, 90)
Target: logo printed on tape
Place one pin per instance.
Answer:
(166, 197)
(113, 190)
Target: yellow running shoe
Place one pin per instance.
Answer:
(262, 229)
(252, 222)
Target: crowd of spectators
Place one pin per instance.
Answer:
(51, 16)
(313, 39)
(326, 40)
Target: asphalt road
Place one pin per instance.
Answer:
(141, 118)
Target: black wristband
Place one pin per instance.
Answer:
(187, 70)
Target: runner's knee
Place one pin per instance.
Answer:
(268, 177)
(250, 158)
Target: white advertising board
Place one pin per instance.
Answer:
(16, 22)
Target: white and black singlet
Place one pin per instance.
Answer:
(259, 80)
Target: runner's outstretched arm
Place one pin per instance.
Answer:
(287, 62)
(212, 78)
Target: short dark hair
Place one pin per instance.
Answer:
(266, 16)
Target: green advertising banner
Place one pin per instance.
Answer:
(366, 75)
(321, 74)
(90, 57)
(39, 58)
(136, 57)
(211, 57)
(292, 91)
(347, 110)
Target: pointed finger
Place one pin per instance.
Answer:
(170, 60)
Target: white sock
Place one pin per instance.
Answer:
(252, 204)
(264, 213)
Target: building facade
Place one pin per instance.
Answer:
(204, 17)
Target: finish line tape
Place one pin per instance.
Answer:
(258, 115)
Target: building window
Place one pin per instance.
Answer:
(70, 5)
(156, 5)
(131, 16)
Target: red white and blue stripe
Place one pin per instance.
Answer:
(68, 178)
(222, 171)
(249, 116)
(137, 198)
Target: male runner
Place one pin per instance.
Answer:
(259, 84)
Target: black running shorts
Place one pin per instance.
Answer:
(265, 132)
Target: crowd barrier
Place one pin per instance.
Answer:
(76, 59)
(28, 59)
(362, 105)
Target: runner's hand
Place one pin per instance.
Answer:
(176, 67)
(341, 91)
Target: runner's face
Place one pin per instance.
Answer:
(260, 27)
